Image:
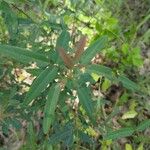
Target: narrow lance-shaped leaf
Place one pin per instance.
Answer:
(50, 106)
(10, 18)
(40, 83)
(85, 100)
(93, 49)
(31, 140)
(63, 40)
(22, 55)
(124, 132)
(127, 83)
(80, 48)
(65, 57)
(100, 70)
(143, 125)
(62, 45)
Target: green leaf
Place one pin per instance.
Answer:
(50, 106)
(128, 147)
(127, 83)
(100, 70)
(63, 40)
(95, 76)
(129, 114)
(15, 123)
(142, 138)
(93, 49)
(124, 132)
(10, 19)
(84, 137)
(62, 43)
(48, 146)
(22, 55)
(85, 100)
(125, 48)
(5, 128)
(40, 83)
(34, 72)
(31, 140)
(136, 57)
(115, 112)
(65, 135)
(140, 147)
(143, 125)
(106, 84)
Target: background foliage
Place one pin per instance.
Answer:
(74, 74)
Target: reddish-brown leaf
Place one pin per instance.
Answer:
(80, 48)
(65, 57)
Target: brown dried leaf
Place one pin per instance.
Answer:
(80, 48)
(65, 57)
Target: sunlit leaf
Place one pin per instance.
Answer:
(140, 147)
(91, 132)
(106, 144)
(95, 76)
(106, 84)
(128, 147)
(129, 114)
